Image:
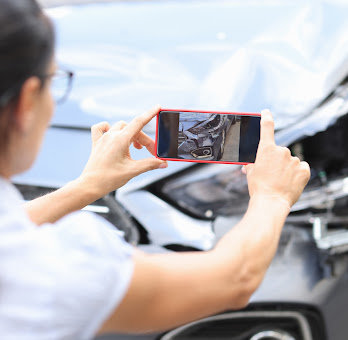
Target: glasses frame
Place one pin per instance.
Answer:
(61, 72)
(6, 97)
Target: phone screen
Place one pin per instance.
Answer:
(208, 136)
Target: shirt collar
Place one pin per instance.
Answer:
(10, 197)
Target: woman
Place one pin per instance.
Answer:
(74, 276)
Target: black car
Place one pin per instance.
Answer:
(224, 56)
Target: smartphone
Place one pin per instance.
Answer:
(207, 137)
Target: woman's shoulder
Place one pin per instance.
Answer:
(72, 274)
(79, 232)
(90, 232)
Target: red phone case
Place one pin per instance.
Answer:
(200, 161)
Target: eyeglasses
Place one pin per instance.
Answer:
(61, 84)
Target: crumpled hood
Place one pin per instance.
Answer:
(129, 56)
(220, 55)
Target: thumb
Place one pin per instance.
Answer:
(267, 127)
(247, 169)
(148, 164)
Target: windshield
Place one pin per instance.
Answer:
(237, 55)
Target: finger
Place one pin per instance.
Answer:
(296, 160)
(285, 151)
(244, 170)
(98, 130)
(118, 126)
(267, 127)
(248, 168)
(137, 145)
(136, 125)
(306, 169)
(304, 165)
(145, 140)
(148, 164)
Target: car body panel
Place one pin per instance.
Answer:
(173, 226)
(220, 67)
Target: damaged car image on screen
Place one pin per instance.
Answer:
(203, 136)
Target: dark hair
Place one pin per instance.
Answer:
(26, 49)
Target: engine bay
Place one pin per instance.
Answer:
(326, 152)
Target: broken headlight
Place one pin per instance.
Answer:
(208, 190)
(212, 123)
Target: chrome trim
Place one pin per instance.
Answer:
(275, 334)
(304, 326)
(100, 209)
(205, 148)
(336, 242)
(333, 241)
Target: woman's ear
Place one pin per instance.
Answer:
(26, 104)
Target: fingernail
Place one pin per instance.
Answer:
(163, 166)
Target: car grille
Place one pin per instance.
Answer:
(249, 325)
(181, 137)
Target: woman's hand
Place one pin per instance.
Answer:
(275, 172)
(110, 165)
